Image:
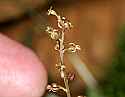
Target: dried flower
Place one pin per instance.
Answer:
(63, 23)
(71, 76)
(54, 88)
(53, 33)
(73, 47)
(51, 12)
(58, 35)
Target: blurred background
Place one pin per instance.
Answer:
(99, 28)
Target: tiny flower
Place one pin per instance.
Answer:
(73, 47)
(53, 33)
(49, 87)
(51, 12)
(63, 23)
(71, 76)
(54, 88)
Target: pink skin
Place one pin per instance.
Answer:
(21, 72)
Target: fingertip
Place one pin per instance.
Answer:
(21, 72)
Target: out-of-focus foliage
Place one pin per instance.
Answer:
(114, 85)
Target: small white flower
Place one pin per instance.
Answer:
(51, 12)
(73, 47)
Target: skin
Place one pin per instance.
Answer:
(21, 72)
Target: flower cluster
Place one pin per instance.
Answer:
(58, 35)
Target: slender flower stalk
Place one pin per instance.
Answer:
(59, 35)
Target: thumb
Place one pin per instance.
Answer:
(21, 72)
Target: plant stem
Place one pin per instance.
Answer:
(67, 87)
(62, 71)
